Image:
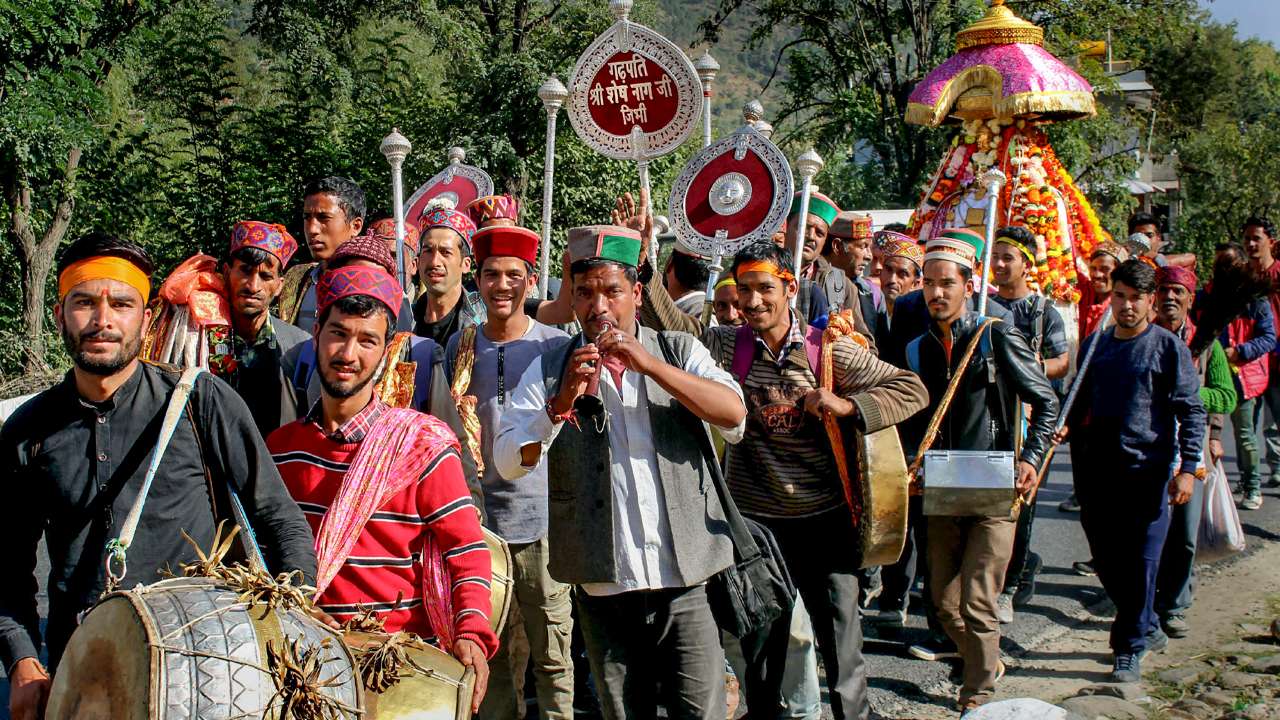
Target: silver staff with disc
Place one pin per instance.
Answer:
(808, 165)
(730, 194)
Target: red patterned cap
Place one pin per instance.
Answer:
(451, 219)
(364, 247)
(493, 207)
(264, 236)
(358, 280)
(506, 242)
(386, 229)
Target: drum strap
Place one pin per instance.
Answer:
(119, 547)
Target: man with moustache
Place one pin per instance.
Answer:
(725, 302)
(76, 456)
(485, 362)
(1138, 425)
(385, 484)
(900, 273)
(620, 416)
(848, 249)
(783, 473)
(968, 554)
(332, 213)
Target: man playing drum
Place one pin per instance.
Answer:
(77, 455)
(396, 530)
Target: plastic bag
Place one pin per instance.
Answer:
(1221, 534)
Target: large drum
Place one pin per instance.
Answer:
(431, 686)
(187, 648)
(501, 589)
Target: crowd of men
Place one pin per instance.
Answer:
(374, 432)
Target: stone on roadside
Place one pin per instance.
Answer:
(1275, 629)
(1219, 697)
(1018, 709)
(1236, 680)
(1267, 665)
(1197, 708)
(1185, 674)
(1178, 714)
(1093, 707)
(1124, 691)
(1244, 647)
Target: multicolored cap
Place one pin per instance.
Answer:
(959, 245)
(605, 242)
(511, 241)
(905, 248)
(370, 248)
(264, 236)
(882, 238)
(850, 225)
(358, 280)
(819, 204)
(386, 229)
(451, 219)
(1111, 248)
(493, 207)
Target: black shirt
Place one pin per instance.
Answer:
(440, 330)
(75, 469)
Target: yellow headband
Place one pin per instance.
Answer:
(104, 267)
(725, 282)
(764, 266)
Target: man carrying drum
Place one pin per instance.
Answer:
(396, 531)
(77, 455)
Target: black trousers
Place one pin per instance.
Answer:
(822, 556)
(1021, 548)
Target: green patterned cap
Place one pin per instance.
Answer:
(819, 204)
(605, 242)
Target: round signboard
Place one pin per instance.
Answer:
(634, 95)
(733, 192)
(460, 183)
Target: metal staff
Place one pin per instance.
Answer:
(1071, 398)
(553, 94)
(395, 148)
(707, 68)
(640, 152)
(992, 180)
(717, 267)
(807, 165)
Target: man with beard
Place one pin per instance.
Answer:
(484, 363)
(1013, 259)
(900, 273)
(332, 213)
(383, 487)
(783, 474)
(835, 285)
(968, 554)
(620, 415)
(1138, 426)
(1175, 579)
(78, 452)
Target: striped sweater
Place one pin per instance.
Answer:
(784, 466)
(386, 563)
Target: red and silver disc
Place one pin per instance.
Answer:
(458, 182)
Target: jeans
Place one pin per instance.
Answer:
(642, 640)
(828, 583)
(545, 606)
(1271, 433)
(968, 557)
(1244, 421)
(1175, 580)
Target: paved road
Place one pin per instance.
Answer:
(901, 685)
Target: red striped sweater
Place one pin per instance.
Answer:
(386, 562)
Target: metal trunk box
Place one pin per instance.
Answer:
(969, 482)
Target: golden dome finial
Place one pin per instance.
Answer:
(999, 26)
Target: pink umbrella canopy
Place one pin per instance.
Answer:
(1000, 70)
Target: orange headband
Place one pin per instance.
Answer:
(105, 267)
(764, 266)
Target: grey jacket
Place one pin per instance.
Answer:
(581, 494)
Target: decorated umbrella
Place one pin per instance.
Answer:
(1002, 87)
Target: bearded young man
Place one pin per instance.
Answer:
(486, 362)
(383, 488)
(968, 554)
(1137, 429)
(78, 452)
(632, 520)
(783, 473)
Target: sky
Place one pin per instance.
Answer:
(1257, 18)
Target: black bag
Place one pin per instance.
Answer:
(756, 589)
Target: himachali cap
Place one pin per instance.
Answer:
(819, 204)
(850, 225)
(882, 238)
(511, 241)
(358, 280)
(386, 229)
(1112, 248)
(959, 245)
(264, 236)
(493, 207)
(905, 248)
(606, 242)
(365, 247)
(451, 219)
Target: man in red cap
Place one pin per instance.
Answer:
(485, 363)
(381, 482)
(385, 229)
